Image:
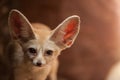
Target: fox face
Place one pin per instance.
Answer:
(41, 53)
(40, 45)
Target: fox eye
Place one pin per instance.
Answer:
(49, 52)
(32, 51)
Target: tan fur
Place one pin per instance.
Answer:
(38, 64)
(26, 71)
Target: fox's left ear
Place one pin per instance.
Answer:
(65, 34)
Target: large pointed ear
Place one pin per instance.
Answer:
(65, 34)
(20, 28)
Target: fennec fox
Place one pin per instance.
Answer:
(34, 48)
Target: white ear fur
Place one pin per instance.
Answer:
(65, 34)
(20, 27)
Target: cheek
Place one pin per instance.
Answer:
(49, 59)
(52, 57)
(31, 57)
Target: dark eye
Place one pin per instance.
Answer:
(32, 51)
(49, 52)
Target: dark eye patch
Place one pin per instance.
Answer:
(49, 52)
(33, 51)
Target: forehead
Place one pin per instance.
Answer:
(38, 44)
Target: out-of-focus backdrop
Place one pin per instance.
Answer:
(97, 47)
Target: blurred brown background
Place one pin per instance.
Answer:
(97, 46)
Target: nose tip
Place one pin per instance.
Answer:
(38, 64)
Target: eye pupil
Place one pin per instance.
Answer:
(49, 52)
(32, 50)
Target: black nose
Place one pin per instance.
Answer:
(38, 64)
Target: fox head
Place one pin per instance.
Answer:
(42, 46)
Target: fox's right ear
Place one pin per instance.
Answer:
(20, 27)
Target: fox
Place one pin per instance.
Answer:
(34, 48)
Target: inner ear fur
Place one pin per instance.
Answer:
(20, 27)
(65, 34)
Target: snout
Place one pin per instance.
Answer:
(39, 64)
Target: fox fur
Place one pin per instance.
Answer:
(34, 48)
